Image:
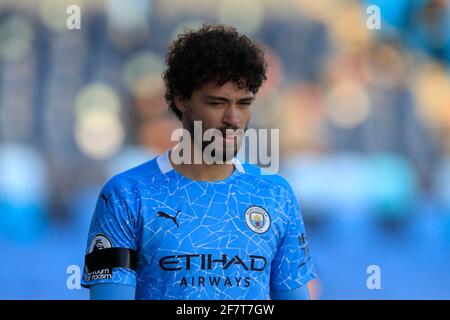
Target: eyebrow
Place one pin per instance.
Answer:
(219, 98)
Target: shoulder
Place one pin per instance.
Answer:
(275, 186)
(269, 179)
(123, 190)
(131, 178)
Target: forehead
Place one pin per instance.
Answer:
(229, 89)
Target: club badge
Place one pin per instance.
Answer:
(257, 219)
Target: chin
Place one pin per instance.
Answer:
(228, 152)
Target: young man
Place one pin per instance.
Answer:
(171, 229)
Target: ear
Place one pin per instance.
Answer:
(180, 103)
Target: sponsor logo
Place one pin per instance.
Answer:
(161, 214)
(207, 262)
(105, 198)
(100, 242)
(257, 218)
(215, 281)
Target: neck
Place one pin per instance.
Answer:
(203, 171)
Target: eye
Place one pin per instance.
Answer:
(214, 103)
(245, 104)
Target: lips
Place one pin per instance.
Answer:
(230, 136)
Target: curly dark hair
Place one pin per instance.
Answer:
(213, 52)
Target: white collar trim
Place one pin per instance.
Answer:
(165, 165)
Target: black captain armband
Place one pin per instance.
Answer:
(103, 261)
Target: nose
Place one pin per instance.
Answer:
(231, 116)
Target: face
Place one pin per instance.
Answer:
(226, 108)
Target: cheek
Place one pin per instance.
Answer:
(245, 116)
(210, 117)
(199, 111)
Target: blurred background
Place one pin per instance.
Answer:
(364, 118)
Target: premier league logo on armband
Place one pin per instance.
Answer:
(257, 219)
(99, 242)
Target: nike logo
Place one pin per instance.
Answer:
(161, 214)
(102, 195)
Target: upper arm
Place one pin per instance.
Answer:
(113, 226)
(300, 293)
(112, 291)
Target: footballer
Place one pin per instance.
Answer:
(194, 230)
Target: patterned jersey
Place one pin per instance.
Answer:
(237, 238)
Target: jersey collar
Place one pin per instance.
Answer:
(165, 165)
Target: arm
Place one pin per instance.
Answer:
(300, 293)
(110, 257)
(292, 266)
(112, 291)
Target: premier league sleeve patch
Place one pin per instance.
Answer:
(100, 242)
(103, 258)
(258, 219)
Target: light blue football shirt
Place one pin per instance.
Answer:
(237, 238)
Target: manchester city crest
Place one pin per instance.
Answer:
(257, 219)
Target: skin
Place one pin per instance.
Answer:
(218, 107)
(221, 107)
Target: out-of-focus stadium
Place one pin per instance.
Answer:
(364, 118)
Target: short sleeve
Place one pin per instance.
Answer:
(113, 225)
(292, 266)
